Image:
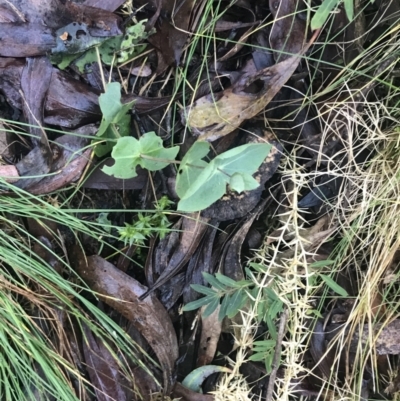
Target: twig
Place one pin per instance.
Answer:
(277, 354)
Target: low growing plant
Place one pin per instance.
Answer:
(146, 224)
(199, 183)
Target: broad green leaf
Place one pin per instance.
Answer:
(130, 44)
(106, 144)
(203, 290)
(153, 155)
(191, 166)
(334, 286)
(117, 48)
(116, 122)
(126, 154)
(209, 186)
(322, 13)
(199, 303)
(195, 379)
(129, 152)
(112, 132)
(243, 159)
(106, 50)
(110, 101)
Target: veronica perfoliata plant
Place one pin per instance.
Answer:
(199, 183)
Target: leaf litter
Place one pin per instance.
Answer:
(250, 135)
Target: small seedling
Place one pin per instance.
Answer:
(147, 224)
(116, 120)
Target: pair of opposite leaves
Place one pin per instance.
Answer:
(199, 183)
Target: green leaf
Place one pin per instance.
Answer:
(275, 308)
(240, 182)
(130, 44)
(349, 8)
(214, 282)
(268, 363)
(129, 152)
(210, 308)
(225, 280)
(151, 146)
(236, 183)
(257, 267)
(104, 221)
(238, 299)
(257, 357)
(224, 307)
(261, 311)
(110, 102)
(322, 13)
(210, 184)
(264, 345)
(322, 263)
(314, 312)
(334, 286)
(271, 294)
(271, 327)
(207, 189)
(195, 379)
(126, 154)
(79, 40)
(115, 122)
(203, 290)
(243, 159)
(107, 49)
(191, 166)
(199, 303)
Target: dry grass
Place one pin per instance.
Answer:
(365, 218)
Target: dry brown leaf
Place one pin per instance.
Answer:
(103, 368)
(288, 31)
(122, 292)
(216, 115)
(211, 328)
(193, 229)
